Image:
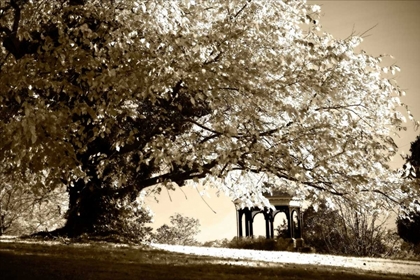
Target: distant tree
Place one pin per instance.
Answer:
(107, 98)
(182, 231)
(408, 223)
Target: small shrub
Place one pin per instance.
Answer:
(405, 251)
(307, 249)
(261, 243)
(219, 243)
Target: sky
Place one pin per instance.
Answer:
(396, 31)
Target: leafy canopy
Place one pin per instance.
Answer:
(124, 95)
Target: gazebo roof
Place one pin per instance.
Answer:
(282, 198)
(279, 197)
(279, 193)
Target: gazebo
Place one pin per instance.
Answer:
(283, 202)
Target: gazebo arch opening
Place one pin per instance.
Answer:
(280, 224)
(259, 224)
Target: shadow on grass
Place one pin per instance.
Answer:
(42, 261)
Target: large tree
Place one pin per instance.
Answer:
(112, 97)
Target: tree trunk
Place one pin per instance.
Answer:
(91, 211)
(84, 210)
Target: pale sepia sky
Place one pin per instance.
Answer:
(397, 32)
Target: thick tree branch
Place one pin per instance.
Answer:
(338, 107)
(197, 172)
(16, 20)
(204, 127)
(240, 10)
(12, 43)
(383, 194)
(5, 30)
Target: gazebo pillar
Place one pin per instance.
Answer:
(268, 216)
(239, 214)
(272, 227)
(247, 231)
(267, 227)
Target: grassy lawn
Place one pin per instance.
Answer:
(98, 261)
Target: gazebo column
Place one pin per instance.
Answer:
(239, 214)
(301, 224)
(247, 228)
(268, 216)
(267, 226)
(272, 227)
(299, 233)
(289, 223)
(251, 228)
